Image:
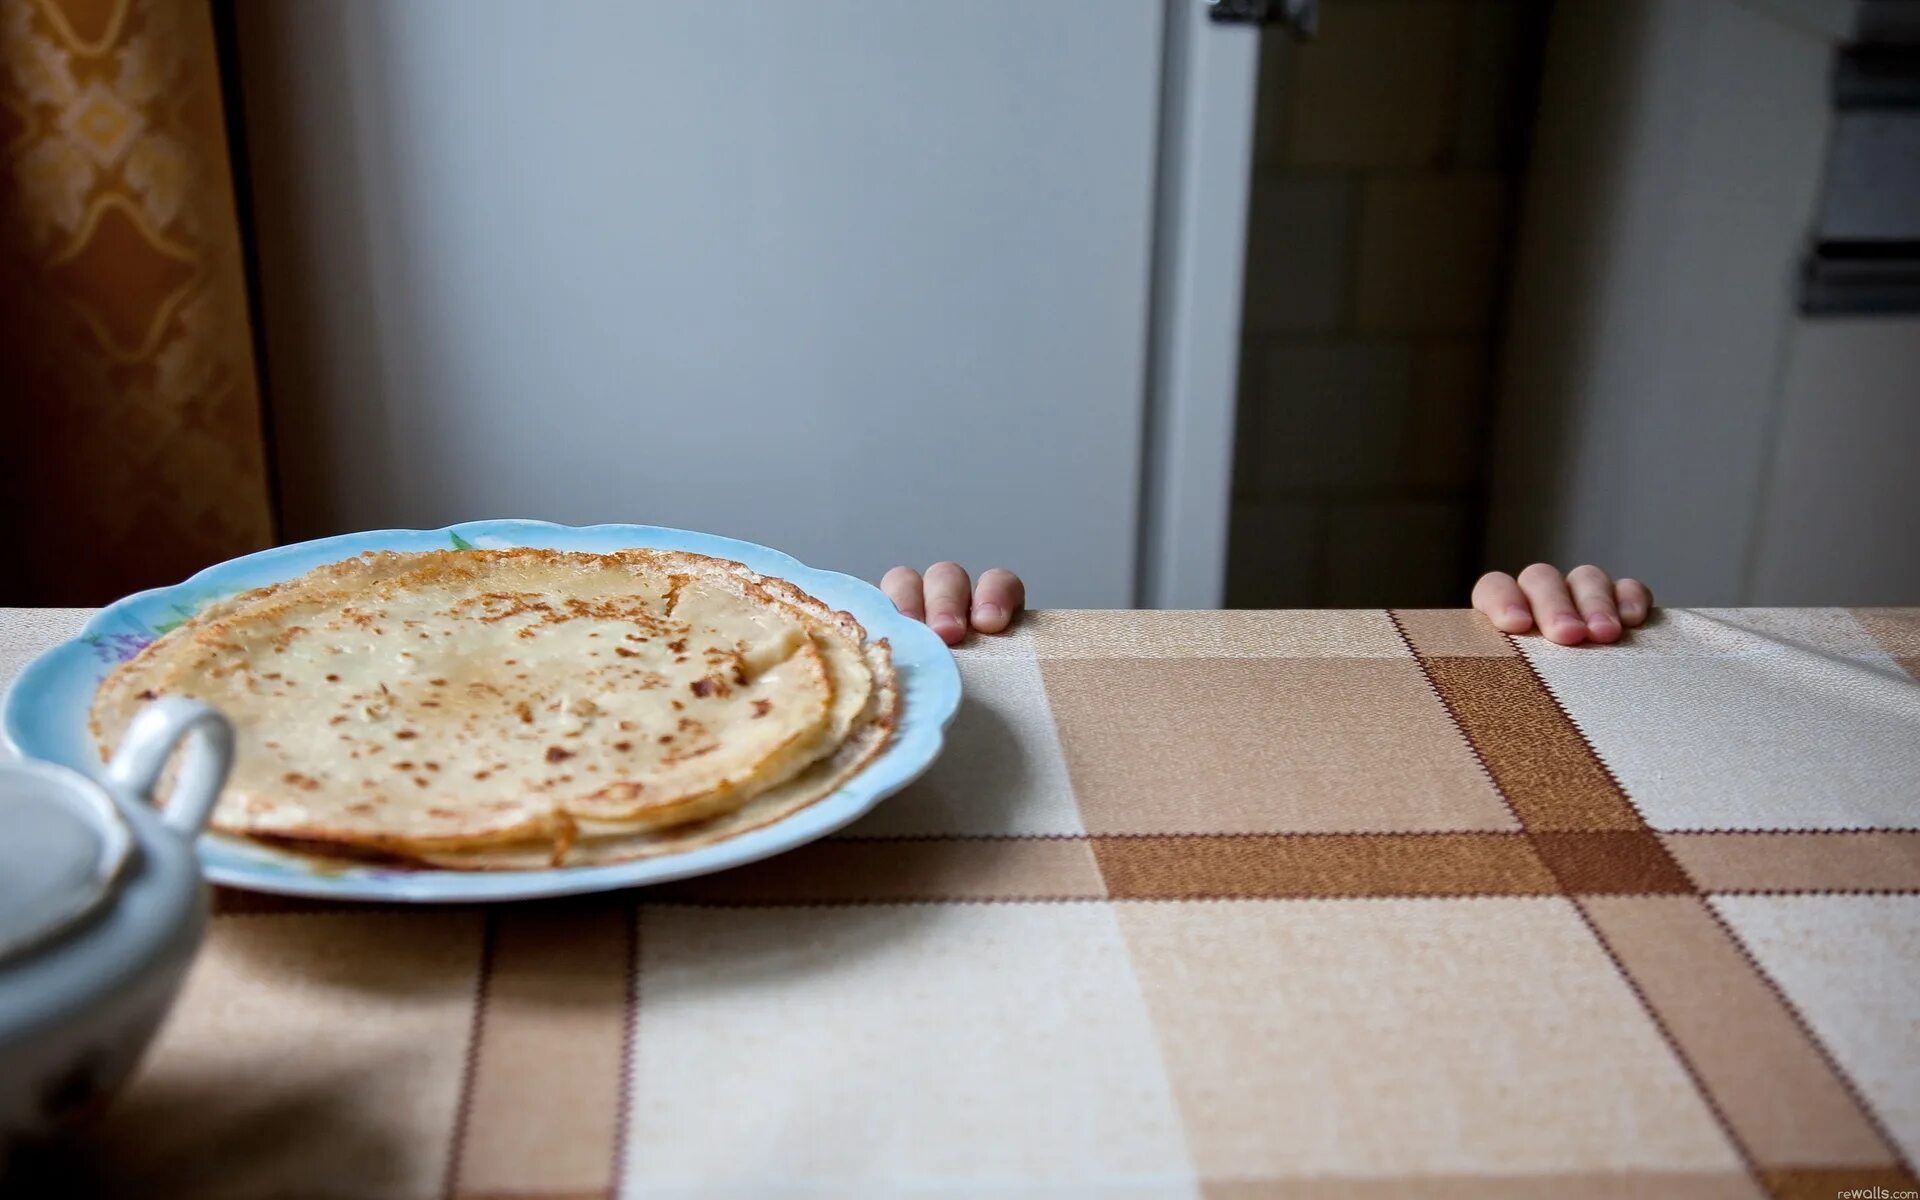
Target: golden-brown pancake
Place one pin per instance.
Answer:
(432, 704)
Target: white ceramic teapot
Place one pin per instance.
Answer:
(101, 909)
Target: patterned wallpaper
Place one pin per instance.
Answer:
(133, 453)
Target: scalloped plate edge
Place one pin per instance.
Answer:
(50, 697)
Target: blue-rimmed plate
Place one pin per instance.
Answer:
(46, 710)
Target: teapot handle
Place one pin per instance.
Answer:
(149, 742)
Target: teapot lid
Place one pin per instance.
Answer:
(63, 845)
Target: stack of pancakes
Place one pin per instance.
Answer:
(515, 709)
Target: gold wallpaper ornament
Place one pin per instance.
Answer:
(130, 428)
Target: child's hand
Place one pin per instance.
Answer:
(1598, 607)
(948, 602)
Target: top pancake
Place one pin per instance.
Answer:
(430, 702)
(871, 729)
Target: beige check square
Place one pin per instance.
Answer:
(1156, 633)
(1264, 745)
(1001, 773)
(1769, 734)
(926, 1050)
(320, 1053)
(1851, 966)
(1355, 1039)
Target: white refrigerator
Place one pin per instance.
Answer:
(870, 281)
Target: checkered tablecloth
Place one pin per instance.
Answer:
(1229, 905)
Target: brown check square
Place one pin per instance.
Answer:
(1613, 861)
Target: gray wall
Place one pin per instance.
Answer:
(1841, 520)
(1664, 410)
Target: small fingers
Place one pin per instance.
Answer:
(996, 598)
(1498, 596)
(902, 586)
(1635, 601)
(1593, 595)
(949, 597)
(945, 599)
(1553, 611)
